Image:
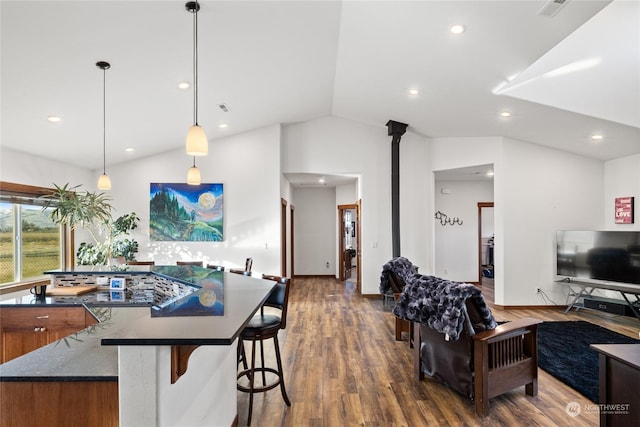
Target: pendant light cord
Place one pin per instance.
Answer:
(195, 64)
(104, 121)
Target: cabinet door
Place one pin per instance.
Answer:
(59, 333)
(25, 329)
(19, 341)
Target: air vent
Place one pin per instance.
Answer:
(552, 7)
(224, 107)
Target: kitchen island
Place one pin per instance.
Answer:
(173, 356)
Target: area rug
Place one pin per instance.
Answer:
(564, 352)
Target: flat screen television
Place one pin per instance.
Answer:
(610, 256)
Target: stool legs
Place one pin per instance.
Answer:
(251, 376)
(281, 375)
(250, 373)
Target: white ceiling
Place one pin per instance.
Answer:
(291, 61)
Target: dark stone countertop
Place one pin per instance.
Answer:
(213, 314)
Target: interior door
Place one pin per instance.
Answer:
(485, 239)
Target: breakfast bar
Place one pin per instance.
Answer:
(166, 335)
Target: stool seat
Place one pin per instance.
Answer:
(261, 326)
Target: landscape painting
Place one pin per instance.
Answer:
(183, 212)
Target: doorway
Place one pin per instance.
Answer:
(349, 244)
(486, 268)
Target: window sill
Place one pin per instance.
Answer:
(21, 286)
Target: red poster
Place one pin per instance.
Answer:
(624, 210)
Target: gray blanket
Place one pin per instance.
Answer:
(440, 304)
(399, 265)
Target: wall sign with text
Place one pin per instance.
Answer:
(624, 210)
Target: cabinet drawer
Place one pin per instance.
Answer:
(50, 317)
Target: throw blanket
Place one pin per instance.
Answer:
(440, 304)
(399, 265)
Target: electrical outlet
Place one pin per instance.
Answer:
(328, 264)
(538, 290)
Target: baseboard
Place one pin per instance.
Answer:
(372, 296)
(528, 307)
(311, 276)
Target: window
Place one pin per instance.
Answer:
(30, 243)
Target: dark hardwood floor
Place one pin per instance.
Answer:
(343, 367)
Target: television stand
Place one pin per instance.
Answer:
(585, 290)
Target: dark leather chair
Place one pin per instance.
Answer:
(261, 327)
(141, 263)
(239, 271)
(483, 362)
(215, 267)
(197, 263)
(392, 282)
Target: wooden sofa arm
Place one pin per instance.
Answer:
(506, 330)
(505, 358)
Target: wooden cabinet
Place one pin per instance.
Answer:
(24, 329)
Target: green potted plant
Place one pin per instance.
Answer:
(92, 212)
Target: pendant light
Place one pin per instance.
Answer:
(197, 144)
(104, 182)
(193, 177)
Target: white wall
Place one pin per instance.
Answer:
(456, 257)
(347, 194)
(27, 169)
(332, 145)
(537, 190)
(415, 204)
(248, 167)
(541, 191)
(315, 234)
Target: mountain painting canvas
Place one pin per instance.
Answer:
(183, 212)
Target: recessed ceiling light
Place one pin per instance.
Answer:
(490, 173)
(223, 125)
(505, 114)
(321, 180)
(129, 150)
(184, 85)
(597, 137)
(54, 119)
(457, 29)
(413, 92)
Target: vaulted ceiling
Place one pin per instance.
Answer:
(572, 75)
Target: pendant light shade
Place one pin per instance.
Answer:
(104, 182)
(196, 144)
(193, 176)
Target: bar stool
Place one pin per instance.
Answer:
(262, 327)
(198, 263)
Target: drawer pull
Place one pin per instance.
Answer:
(46, 316)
